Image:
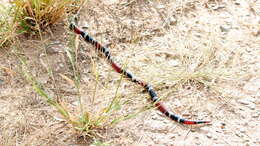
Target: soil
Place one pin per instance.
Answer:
(202, 57)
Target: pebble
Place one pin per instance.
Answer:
(177, 103)
(223, 29)
(154, 116)
(255, 115)
(249, 102)
(239, 134)
(58, 119)
(218, 131)
(174, 63)
(243, 101)
(75, 103)
(173, 21)
(59, 67)
(197, 143)
(222, 125)
(209, 135)
(205, 128)
(215, 137)
(252, 99)
(53, 50)
(242, 130)
(160, 6)
(237, 3)
(251, 106)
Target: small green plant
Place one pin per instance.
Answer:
(84, 121)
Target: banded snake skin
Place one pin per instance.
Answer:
(159, 105)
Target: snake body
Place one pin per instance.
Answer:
(159, 105)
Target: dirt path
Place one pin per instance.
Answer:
(202, 57)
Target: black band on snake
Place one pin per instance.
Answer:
(160, 106)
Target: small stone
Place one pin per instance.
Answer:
(85, 25)
(242, 130)
(243, 101)
(174, 63)
(197, 143)
(216, 7)
(218, 131)
(241, 108)
(252, 99)
(75, 103)
(173, 136)
(173, 21)
(238, 133)
(255, 115)
(205, 128)
(160, 6)
(58, 119)
(53, 50)
(237, 3)
(222, 125)
(223, 29)
(42, 55)
(154, 116)
(209, 135)
(251, 106)
(43, 79)
(255, 32)
(177, 103)
(59, 67)
(215, 137)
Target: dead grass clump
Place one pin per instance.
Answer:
(7, 27)
(37, 15)
(32, 16)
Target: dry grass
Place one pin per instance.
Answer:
(37, 15)
(32, 16)
(198, 60)
(81, 115)
(7, 26)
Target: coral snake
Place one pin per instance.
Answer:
(159, 105)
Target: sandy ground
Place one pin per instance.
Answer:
(202, 57)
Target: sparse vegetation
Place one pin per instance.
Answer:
(200, 56)
(37, 15)
(7, 26)
(32, 16)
